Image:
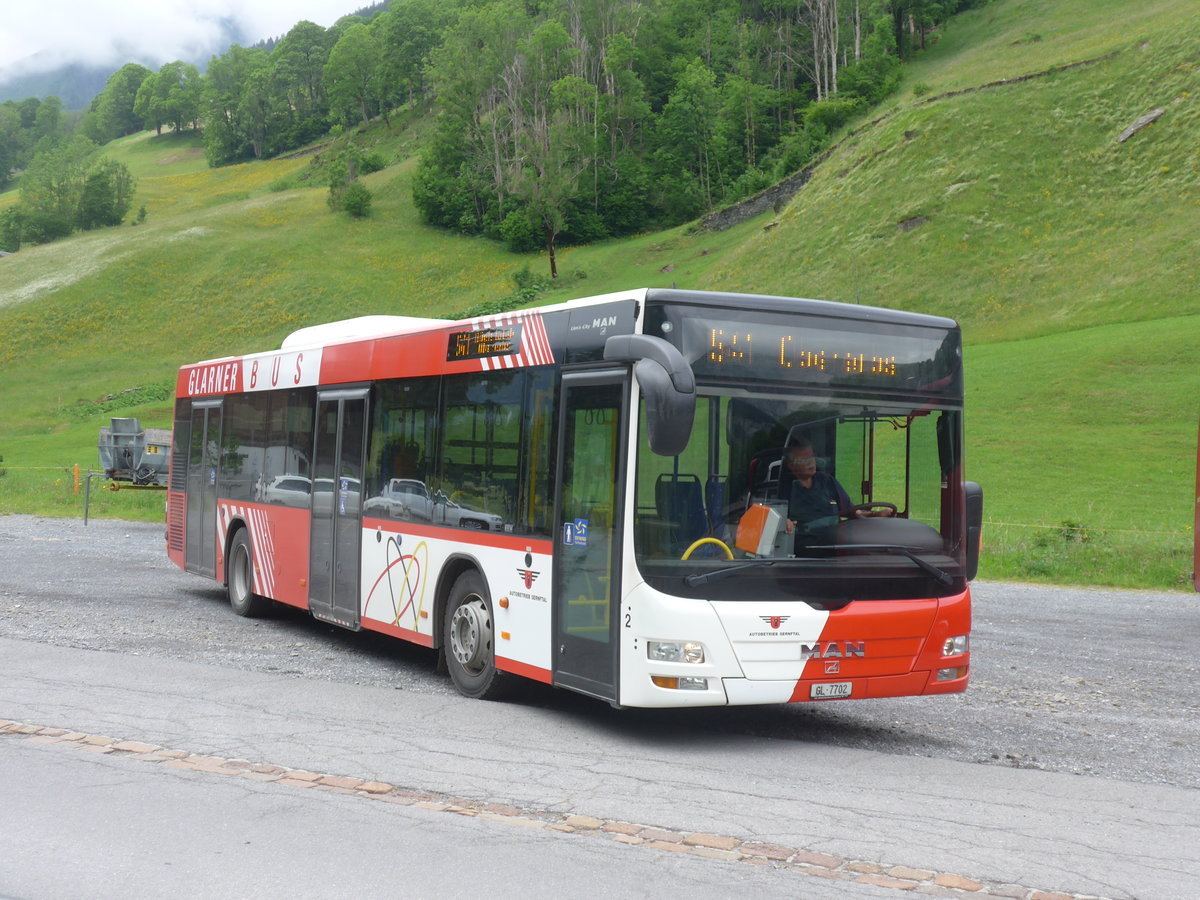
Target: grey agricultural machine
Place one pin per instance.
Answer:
(131, 453)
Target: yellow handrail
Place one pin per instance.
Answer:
(707, 540)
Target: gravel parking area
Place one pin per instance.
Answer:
(1068, 680)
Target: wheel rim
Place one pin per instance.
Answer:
(471, 634)
(240, 577)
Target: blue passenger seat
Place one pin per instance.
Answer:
(680, 502)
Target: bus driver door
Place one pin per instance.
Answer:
(588, 543)
(335, 546)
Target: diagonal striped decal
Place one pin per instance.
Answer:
(262, 543)
(267, 535)
(535, 345)
(260, 539)
(222, 524)
(539, 342)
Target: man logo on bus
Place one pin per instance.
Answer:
(775, 621)
(834, 650)
(527, 573)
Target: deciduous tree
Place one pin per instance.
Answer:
(112, 114)
(170, 96)
(68, 187)
(227, 129)
(106, 195)
(352, 75)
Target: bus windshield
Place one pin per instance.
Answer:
(830, 499)
(829, 489)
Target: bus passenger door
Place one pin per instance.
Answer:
(335, 540)
(204, 454)
(588, 543)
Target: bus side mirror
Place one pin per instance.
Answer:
(974, 526)
(667, 384)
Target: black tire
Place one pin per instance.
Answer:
(239, 578)
(469, 639)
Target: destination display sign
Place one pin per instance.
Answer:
(819, 351)
(504, 340)
(737, 345)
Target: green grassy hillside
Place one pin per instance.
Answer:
(991, 188)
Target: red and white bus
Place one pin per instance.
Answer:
(596, 495)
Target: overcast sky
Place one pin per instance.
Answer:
(103, 32)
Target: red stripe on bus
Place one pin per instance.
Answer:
(537, 673)
(407, 634)
(464, 536)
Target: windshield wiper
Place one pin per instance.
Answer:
(699, 578)
(941, 575)
(718, 574)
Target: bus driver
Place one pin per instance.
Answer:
(816, 501)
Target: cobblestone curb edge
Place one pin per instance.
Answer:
(711, 846)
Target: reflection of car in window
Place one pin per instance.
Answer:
(347, 497)
(287, 490)
(454, 514)
(408, 498)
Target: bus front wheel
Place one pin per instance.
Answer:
(468, 638)
(240, 578)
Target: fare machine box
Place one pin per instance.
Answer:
(762, 531)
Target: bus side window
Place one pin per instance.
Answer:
(537, 478)
(244, 447)
(402, 435)
(481, 443)
(286, 473)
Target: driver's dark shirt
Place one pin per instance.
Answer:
(816, 510)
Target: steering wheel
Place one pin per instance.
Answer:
(707, 540)
(867, 507)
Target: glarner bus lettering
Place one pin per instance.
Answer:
(616, 495)
(215, 379)
(268, 372)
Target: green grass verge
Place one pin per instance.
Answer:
(1085, 443)
(55, 492)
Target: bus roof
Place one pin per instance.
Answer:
(356, 329)
(363, 328)
(366, 327)
(772, 303)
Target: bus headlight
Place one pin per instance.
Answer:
(675, 651)
(956, 646)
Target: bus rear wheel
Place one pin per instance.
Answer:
(468, 638)
(240, 578)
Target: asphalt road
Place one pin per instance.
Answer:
(1070, 765)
